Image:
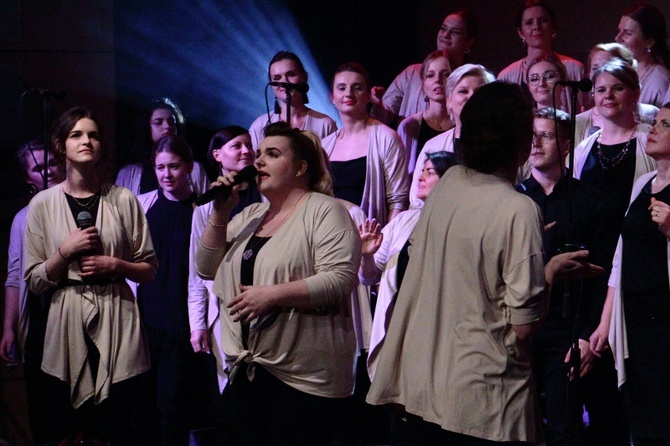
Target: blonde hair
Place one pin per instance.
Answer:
(306, 146)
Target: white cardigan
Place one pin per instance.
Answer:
(643, 162)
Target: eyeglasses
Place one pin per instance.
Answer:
(550, 77)
(543, 137)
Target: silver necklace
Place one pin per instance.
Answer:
(608, 163)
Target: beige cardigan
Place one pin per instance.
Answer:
(310, 350)
(108, 313)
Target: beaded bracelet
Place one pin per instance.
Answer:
(214, 225)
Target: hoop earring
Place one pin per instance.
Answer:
(189, 181)
(32, 189)
(277, 107)
(467, 50)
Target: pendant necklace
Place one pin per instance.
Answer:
(250, 251)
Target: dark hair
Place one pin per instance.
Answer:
(287, 55)
(620, 70)
(141, 143)
(175, 145)
(64, 125)
(167, 104)
(431, 57)
(527, 4)
(561, 118)
(471, 23)
(25, 152)
(353, 67)
(442, 161)
(497, 128)
(306, 146)
(666, 105)
(652, 24)
(221, 137)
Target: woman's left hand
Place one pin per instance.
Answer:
(253, 302)
(94, 266)
(660, 214)
(585, 360)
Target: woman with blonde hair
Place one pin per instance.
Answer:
(590, 121)
(415, 130)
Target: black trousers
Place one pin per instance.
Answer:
(266, 411)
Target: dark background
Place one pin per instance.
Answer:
(211, 57)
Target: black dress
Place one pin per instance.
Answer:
(177, 400)
(349, 179)
(646, 303)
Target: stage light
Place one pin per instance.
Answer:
(210, 56)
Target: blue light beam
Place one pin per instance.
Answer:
(211, 57)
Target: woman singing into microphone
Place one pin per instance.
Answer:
(284, 271)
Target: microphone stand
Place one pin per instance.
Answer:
(47, 141)
(288, 104)
(573, 399)
(47, 97)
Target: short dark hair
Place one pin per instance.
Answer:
(306, 146)
(497, 128)
(442, 161)
(221, 137)
(562, 120)
(176, 145)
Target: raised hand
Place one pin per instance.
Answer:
(371, 236)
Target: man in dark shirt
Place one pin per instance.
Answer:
(574, 309)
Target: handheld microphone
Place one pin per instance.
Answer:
(583, 85)
(243, 176)
(300, 87)
(84, 220)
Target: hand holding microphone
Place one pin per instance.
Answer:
(224, 190)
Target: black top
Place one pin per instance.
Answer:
(148, 179)
(426, 132)
(349, 179)
(163, 303)
(616, 179)
(88, 204)
(644, 264)
(247, 272)
(592, 212)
